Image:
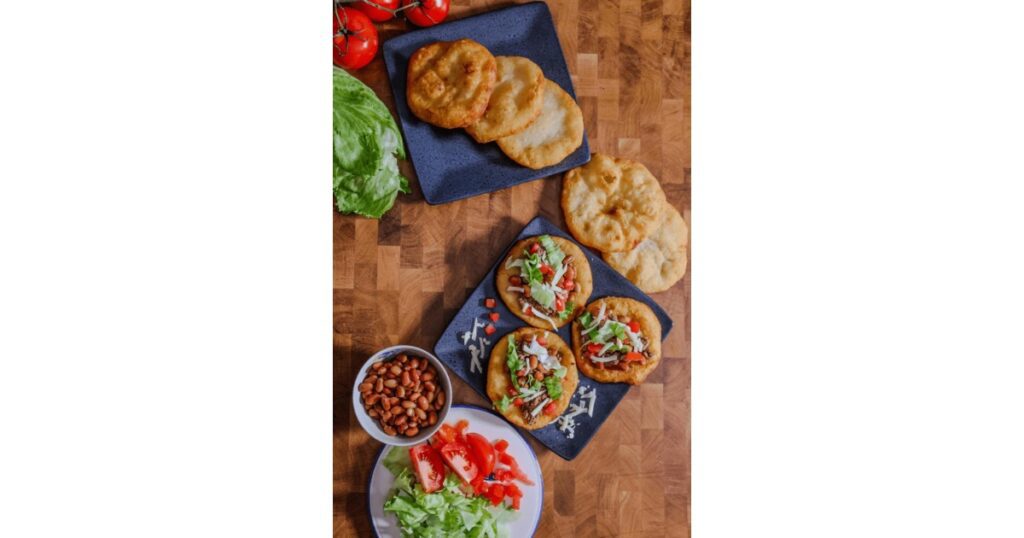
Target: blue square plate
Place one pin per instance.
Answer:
(457, 356)
(451, 165)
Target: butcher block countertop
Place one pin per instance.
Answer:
(401, 279)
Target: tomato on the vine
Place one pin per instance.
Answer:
(355, 38)
(377, 10)
(426, 12)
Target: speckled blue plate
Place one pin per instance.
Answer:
(457, 356)
(450, 165)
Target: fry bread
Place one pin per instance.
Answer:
(650, 328)
(515, 101)
(498, 380)
(659, 261)
(611, 204)
(556, 132)
(450, 82)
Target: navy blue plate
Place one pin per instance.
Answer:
(451, 165)
(457, 356)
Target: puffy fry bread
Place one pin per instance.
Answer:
(611, 204)
(498, 381)
(650, 328)
(515, 101)
(659, 261)
(556, 132)
(583, 282)
(450, 82)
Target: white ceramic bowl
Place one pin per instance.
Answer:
(371, 425)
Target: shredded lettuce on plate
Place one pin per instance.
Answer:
(442, 514)
(367, 146)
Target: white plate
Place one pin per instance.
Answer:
(493, 427)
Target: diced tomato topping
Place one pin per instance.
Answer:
(515, 280)
(594, 349)
(446, 434)
(559, 305)
(542, 341)
(634, 326)
(518, 402)
(515, 502)
(513, 490)
(479, 486)
(504, 475)
(511, 391)
(550, 408)
(568, 285)
(494, 316)
(489, 329)
(534, 247)
(633, 356)
(546, 269)
(461, 426)
(501, 445)
(527, 310)
(496, 494)
(490, 302)
(503, 456)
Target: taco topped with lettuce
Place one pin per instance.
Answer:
(545, 280)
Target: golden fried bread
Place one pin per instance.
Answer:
(659, 261)
(515, 101)
(622, 310)
(577, 271)
(556, 132)
(450, 82)
(499, 381)
(611, 204)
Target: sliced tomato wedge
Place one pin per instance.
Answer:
(428, 467)
(483, 452)
(457, 456)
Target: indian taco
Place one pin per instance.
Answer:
(545, 281)
(531, 377)
(617, 340)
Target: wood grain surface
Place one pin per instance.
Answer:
(401, 279)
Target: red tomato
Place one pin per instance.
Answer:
(461, 426)
(489, 302)
(534, 247)
(426, 12)
(518, 402)
(501, 445)
(377, 10)
(515, 494)
(355, 38)
(568, 285)
(634, 326)
(446, 434)
(634, 357)
(496, 493)
(483, 453)
(507, 459)
(515, 502)
(550, 408)
(512, 391)
(456, 455)
(527, 310)
(542, 341)
(559, 305)
(546, 269)
(594, 349)
(515, 280)
(428, 467)
(489, 329)
(494, 316)
(479, 486)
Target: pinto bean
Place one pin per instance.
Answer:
(391, 383)
(411, 432)
(423, 403)
(365, 387)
